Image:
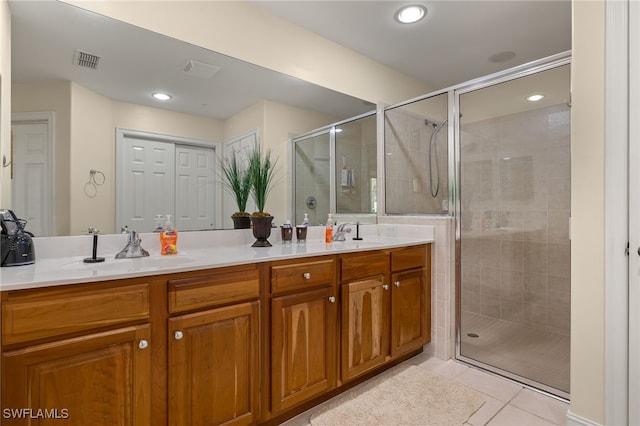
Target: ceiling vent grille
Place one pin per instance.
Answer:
(85, 59)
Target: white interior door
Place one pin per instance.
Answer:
(31, 193)
(145, 182)
(195, 188)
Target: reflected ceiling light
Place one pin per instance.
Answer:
(502, 56)
(535, 98)
(410, 14)
(161, 96)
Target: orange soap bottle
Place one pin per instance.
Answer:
(168, 239)
(328, 230)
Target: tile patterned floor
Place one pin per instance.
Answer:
(508, 403)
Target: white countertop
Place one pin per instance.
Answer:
(59, 260)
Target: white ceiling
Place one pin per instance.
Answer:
(450, 46)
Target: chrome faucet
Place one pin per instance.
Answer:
(341, 231)
(133, 247)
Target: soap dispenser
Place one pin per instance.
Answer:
(168, 239)
(328, 230)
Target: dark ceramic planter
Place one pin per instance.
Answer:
(261, 230)
(241, 222)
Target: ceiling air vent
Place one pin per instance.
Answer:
(85, 59)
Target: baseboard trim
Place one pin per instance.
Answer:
(575, 420)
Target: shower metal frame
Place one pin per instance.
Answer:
(454, 182)
(331, 130)
(525, 70)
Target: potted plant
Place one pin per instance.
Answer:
(262, 171)
(237, 180)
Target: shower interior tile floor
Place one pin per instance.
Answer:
(541, 356)
(507, 403)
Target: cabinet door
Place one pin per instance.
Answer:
(213, 366)
(98, 379)
(365, 325)
(303, 346)
(410, 311)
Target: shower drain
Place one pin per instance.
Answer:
(474, 335)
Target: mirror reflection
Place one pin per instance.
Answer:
(79, 78)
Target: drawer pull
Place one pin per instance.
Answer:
(385, 286)
(307, 275)
(143, 344)
(178, 335)
(332, 299)
(396, 283)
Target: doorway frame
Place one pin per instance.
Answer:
(49, 118)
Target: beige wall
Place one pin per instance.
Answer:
(5, 102)
(587, 206)
(92, 147)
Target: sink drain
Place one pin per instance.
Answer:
(474, 335)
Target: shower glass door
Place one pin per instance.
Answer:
(312, 177)
(513, 227)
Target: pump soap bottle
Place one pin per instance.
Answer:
(328, 230)
(168, 239)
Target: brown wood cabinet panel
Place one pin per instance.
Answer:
(365, 325)
(98, 379)
(214, 366)
(302, 274)
(408, 258)
(363, 265)
(303, 345)
(215, 289)
(29, 315)
(410, 311)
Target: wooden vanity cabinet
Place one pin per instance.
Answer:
(74, 351)
(410, 298)
(365, 297)
(214, 351)
(303, 331)
(385, 307)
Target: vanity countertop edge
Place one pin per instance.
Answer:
(196, 255)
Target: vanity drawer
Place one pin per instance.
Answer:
(42, 313)
(225, 287)
(311, 273)
(365, 264)
(409, 258)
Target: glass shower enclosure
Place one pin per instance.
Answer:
(335, 170)
(513, 227)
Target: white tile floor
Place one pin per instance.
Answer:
(508, 404)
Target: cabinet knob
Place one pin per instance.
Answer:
(143, 344)
(332, 299)
(178, 335)
(307, 275)
(396, 283)
(385, 286)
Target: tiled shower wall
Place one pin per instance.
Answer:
(515, 209)
(312, 179)
(407, 178)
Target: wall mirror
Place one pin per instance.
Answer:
(85, 75)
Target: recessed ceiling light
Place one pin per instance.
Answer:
(410, 14)
(535, 98)
(161, 96)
